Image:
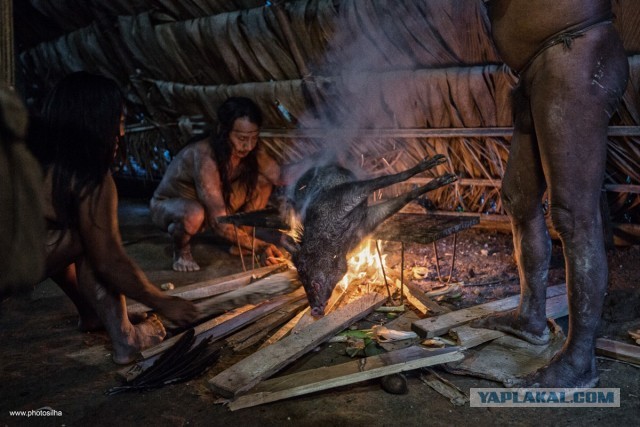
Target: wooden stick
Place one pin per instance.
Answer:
(266, 362)
(415, 302)
(327, 377)
(439, 325)
(260, 290)
(618, 350)
(7, 43)
(254, 333)
(213, 328)
(485, 132)
(419, 297)
(131, 372)
(209, 288)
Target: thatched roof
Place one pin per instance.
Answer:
(333, 64)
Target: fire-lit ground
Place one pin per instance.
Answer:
(45, 362)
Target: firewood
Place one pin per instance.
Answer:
(283, 331)
(337, 296)
(254, 333)
(468, 337)
(260, 290)
(434, 326)
(209, 288)
(245, 374)
(352, 372)
(212, 327)
(618, 350)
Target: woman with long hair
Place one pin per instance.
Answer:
(75, 141)
(217, 176)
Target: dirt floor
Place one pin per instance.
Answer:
(47, 363)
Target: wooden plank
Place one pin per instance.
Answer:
(254, 333)
(283, 331)
(439, 325)
(337, 295)
(260, 290)
(131, 372)
(507, 357)
(415, 302)
(403, 322)
(445, 387)
(355, 371)
(416, 293)
(468, 337)
(264, 363)
(221, 326)
(209, 288)
(618, 350)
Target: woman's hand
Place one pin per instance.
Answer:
(178, 310)
(271, 255)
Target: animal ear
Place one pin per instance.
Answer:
(317, 287)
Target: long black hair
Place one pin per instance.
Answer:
(232, 109)
(75, 138)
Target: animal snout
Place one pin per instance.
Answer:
(317, 311)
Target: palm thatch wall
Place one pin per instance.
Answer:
(370, 79)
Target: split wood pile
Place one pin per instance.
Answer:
(254, 316)
(333, 64)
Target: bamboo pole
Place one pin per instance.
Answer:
(305, 73)
(7, 58)
(484, 132)
(497, 183)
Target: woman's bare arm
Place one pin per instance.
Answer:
(98, 225)
(209, 192)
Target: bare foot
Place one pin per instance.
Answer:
(93, 323)
(184, 262)
(143, 335)
(562, 372)
(512, 323)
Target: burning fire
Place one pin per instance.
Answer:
(364, 266)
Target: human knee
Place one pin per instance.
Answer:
(520, 205)
(564, 220)
(193, 219)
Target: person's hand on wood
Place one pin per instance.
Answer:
(271, 255)
(180, 311)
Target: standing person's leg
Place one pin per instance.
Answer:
(523, 186)
(574, 93)
(182, 218)
(127, 339)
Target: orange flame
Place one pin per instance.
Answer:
(364, 265)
